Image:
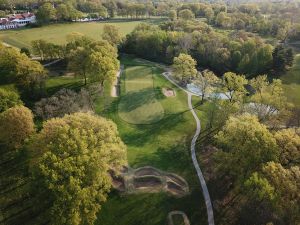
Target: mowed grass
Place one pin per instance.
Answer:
(56, 33)
(291, 81)
(139, 104)
(164, 145)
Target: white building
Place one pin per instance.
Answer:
(17, 20)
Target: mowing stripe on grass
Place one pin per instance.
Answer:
(138, 104)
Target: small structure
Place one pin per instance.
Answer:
(149, 179)
(17, 20)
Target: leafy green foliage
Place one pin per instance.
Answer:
(8, 99)
(76, 153)
(111, 34)
(246, 144)
(184, 67)
(16, 125)
(233, 86)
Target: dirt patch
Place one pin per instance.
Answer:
(146, 171)
(148, 179)
(169, 92)
(176, 180)
(118, 183)
(147, 182)
(175, 188)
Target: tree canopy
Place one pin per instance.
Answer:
(184, 67)
(77, 151)
(16, 125)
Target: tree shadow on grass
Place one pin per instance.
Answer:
(133, 100)
(76, 86)
(145, 133)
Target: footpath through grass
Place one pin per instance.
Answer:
(56, 33)
(164, 145)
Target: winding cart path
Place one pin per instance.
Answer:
(209, 208)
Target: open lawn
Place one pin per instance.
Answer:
(56, 33)
(291, 81)
(164, 144)
(139, 104)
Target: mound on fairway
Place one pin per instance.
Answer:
(138, 104)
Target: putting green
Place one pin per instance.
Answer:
(138, 104)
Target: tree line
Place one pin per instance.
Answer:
(265, 18)
(67, 150)
(239, 51)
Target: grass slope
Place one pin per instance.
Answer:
(164, 145)
(139, 104)
(291, 81)
(56, 33)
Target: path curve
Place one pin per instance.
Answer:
(208, 204)
(184, 216)
(209, 208)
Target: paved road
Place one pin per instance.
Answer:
(209, 208)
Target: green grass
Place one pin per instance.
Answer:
(139, 104)
(164, 145)
(54, 84)
(56, 33)
(291, 81)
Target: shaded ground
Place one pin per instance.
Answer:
(291, 81)
(163, 145)
(139, 104)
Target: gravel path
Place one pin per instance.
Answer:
(115, 86)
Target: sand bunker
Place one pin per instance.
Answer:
(168, 92)
(149, 179)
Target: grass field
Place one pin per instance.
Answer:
(139, 104)
(291, 81)
(56, 33)
(164, 145)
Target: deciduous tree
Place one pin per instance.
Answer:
(184, 67)
(233, 86)
(111, 34)
(245, 145)
(288, 141)
(186, 14)
(207, 81)
(77, 152)
(8, 99)
(16, 124)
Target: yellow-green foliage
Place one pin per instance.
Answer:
(76, 153)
